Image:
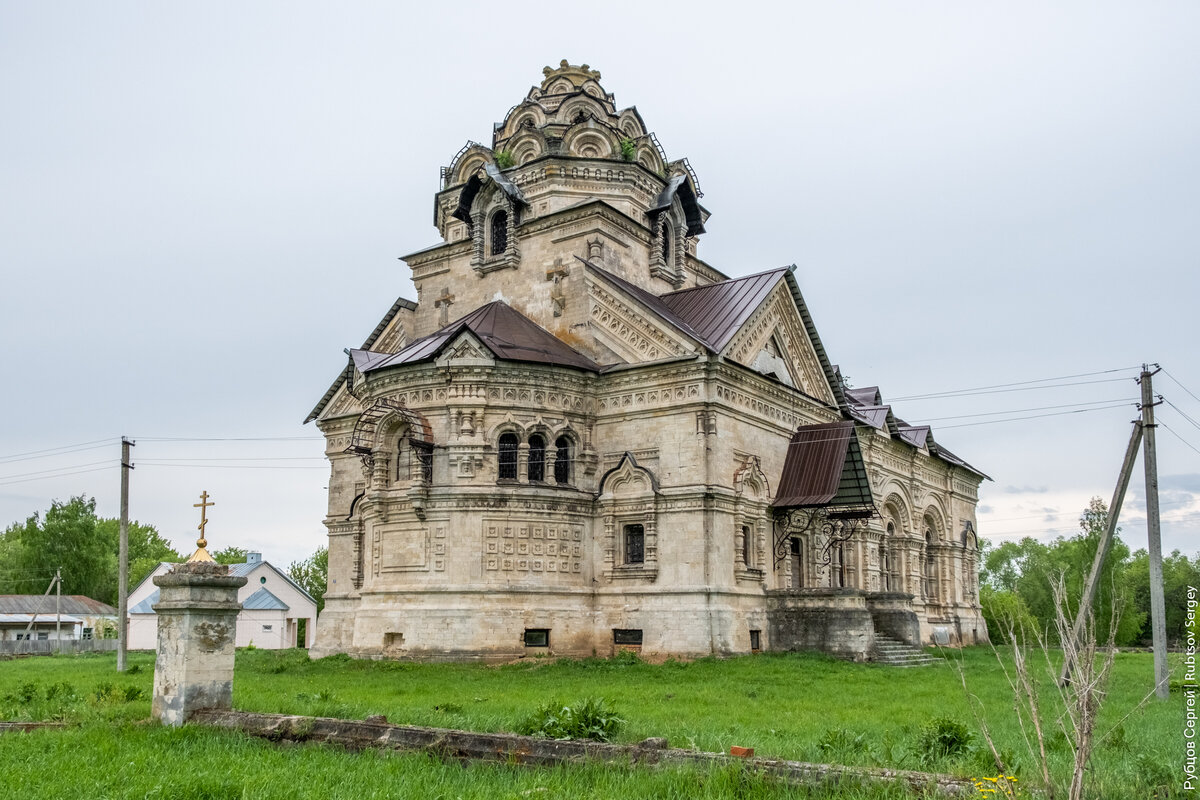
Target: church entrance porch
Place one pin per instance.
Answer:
(841, 622)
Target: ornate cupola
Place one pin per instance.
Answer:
(567, 144)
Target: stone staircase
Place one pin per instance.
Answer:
(894, 653)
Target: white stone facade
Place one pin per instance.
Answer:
(489, 497)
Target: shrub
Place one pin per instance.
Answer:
(591, 719)
(628, 149)
(942, 738)
(504, 159)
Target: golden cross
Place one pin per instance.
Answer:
(203, 505)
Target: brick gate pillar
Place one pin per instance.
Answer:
(197, 624)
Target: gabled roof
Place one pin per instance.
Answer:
(39, 619)
(262, 600)
(46, 604)
(508, 334)
(147, 605)
(400, 303)
(824, 469)
(717, 311)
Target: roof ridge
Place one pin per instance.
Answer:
(724, 282)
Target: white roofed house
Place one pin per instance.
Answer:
(272, 607)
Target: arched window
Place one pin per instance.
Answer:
(537, 458)
(507, 463)
(668, 236)
(403, 458)
(499, 233)
(562, 460)
(425, 457)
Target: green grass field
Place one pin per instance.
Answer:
(804, 707)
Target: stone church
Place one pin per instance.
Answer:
(582, 438)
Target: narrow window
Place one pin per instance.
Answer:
(747, 547)
(403, 458)
(885, 569)
(507, 470)
(425, 457)
(627, 636)
(537, 458)
(537, 637)
(499, 233)
(635, 544)
(796, 565)
(667, 243)
(755, 641)
(930, 568)
(562, 460)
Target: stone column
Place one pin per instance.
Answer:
(197, 623)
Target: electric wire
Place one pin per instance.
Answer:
(1023, 410)
(1032, 416)
(57, 451)
(1195, 424)
(953, 392)
(56, 469)
(231, 438)
(63, 475)
(1180, 385)
(1180, 438)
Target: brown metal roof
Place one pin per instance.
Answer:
(510, 335)
(865, 396)
(45, 604)
(824, 468)
(717, 311)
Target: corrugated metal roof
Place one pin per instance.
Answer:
(717, 311)
(510, 335)
(824, 468)
(262, 600)
(875, 416)
(916, 435)
(39, 619)
(865, 396)
(145, 607)
(45, 604)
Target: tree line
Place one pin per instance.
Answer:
(1016, 581)
(70, 536)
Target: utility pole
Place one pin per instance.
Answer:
(1158, 620)
(123, 560)
(1114, 511)
(33, 616)
(58, 610)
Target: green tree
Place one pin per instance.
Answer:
(67, 537)
(230, 555)
(1027, 569)
(313, 575)
(147, 547)
(1179, 572)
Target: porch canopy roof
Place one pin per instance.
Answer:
(824, 469)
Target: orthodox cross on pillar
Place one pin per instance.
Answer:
(443, 304)
(201, 553)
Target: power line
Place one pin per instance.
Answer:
(1195, 424)
(1180, 385)
(63, 475)
(1032, 416)
(1019, 383)
(1177, 436)
(1023, 410)
(52, 451)
(56, 469)
(225, 466)
(244, 458)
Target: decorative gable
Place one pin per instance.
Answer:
(628, 330)
(466, 350)
(774, 341)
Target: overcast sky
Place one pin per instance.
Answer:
(201, 206)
